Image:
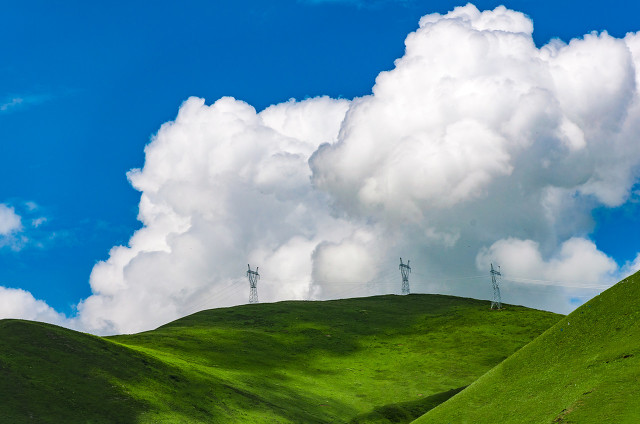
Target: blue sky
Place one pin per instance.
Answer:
(83, 87)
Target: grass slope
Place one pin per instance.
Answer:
(49, 374)
(378, 359)
(585, 369)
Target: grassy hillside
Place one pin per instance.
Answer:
(50, 374)
(378, 359)
(585, 369)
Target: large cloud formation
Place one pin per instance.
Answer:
(477, 148)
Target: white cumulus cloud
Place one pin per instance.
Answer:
(478, 136)
(222, 186)
(477, 148)
(577, 264)
(20, 304)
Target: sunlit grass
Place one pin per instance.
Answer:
(378, 359)
(585, 369)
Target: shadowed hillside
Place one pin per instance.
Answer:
(378, 359)
(585, 369)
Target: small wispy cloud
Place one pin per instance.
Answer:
(30, 205)
(16, 101)
(35, 223)
(23, 225)
(12, 103)
(10, 228)
(10, 222)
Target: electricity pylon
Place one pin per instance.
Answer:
(405, 270)
(253, 284)
(496, 303)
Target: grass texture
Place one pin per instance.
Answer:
(585, 369)
(380, 359)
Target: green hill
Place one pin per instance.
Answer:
(585, 369)
(377, 359)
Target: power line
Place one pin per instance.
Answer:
(215, 297)
(383, 284)
(437, 278)
(554, 283)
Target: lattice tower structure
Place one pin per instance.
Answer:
(253, 284)
(496, 303)
(405, 270)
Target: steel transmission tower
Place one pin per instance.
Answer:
(496, 303)
(253, 284)
(405, 270)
